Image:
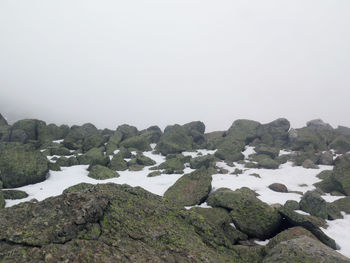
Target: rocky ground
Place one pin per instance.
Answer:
(254, 193)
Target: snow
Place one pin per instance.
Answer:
(287, 174)
(339, 230)
(262, 242)
(58, 141)
(249, 150)
(331, 198)
(302, 212)
(200, 152)
(203, 205)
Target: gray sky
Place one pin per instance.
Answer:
(173, 61)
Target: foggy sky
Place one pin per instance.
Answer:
(160, 62)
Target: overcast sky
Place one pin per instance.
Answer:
(172, 61)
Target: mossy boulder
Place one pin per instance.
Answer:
(152, 134)
(340, 144)
(292, 205)
(243, 130)
(196, 130)
(94, 156)
(21, 165)
(2, 200)
(307, 139)
(206, 161)
(314, 204)
(230, 152)
(174, 140)
(310, 223)
(63, 151)
(113, 142)
(144, 160)
(328, 183)
(309, 164)
(14, 194)
(303, 249)
(265, 161)
(127, 131)
(67, 162)
(154, 174)
(139, 143)
(100, 172)
(172, 165)
(34, 129)
(274, 133)
(92, 141)
(118, 163)
(88, 226)
(3, 121)
(77, 134)
(343, 204)
(220, 218)
(342, 173)
(77, 188)
(266, 150)
(288, 234)
(190, 189)
(250, 215)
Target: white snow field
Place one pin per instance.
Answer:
(296, 179)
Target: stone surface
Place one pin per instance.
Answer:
(100, 172)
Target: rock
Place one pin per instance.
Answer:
(308, 164)
(190, 189)
(303, 249)
(139, 143)
(299, 157)
(292, 205)
(18, 136)
(154, 174)
(135, 167)
(278, 188)
(274, 133)
(318, 124)
(88, 226)
(213, 139)
(63, 151)
(230, 152)
(113, 142)
(128, 131)
(5, 132)
(264, 161)
(206, 161)
(343, 204)
(57, 132)
(266, 150)
(196, 130)
(125, 152)
(77, 188)
(328, 184)
(77, 134)
(94, 156)
(341, 173)
(67, 162)
(289, 234)
(237, 171)
(174, 140)
(34, 129)
(326, 158)
(152, 134)
(14, 194)
(333, 212)
(314, 204)
(2, 200)
(100, 172)
(54, 167)
(172, 165)
(21, 165)
(118, 163)
(250, 215)
(310, 223)
(340, 144)
(3, 121)
(92, 141)
(221, 219)
(307, 139)
(243, 130)
(144, 160)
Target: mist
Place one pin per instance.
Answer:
(164, 62)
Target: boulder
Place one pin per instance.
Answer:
(92, 141)
(230, 152)
(196, 130)
(94, 156)
(307, 139)
(67, 162)
(308, 164)
(18, 135)
(5, 132)
(174, 140)
(314, 204)
(3, 121)
(250, 215)
(118, 163)
(278, 188)
(310, 223)
(292, 205)
(63, 151)
(144, 160)
(100, 172)
(113, 142)
(340, 144)
(243, 130)
(14, 194)
(57, 132)
(21, 165)
(266, 150)
(77, 134)
(326, 158)
(139, 143)
(172, 165)
(77, 188)
(328, 183)
(206, 161)
(33, 128)
(341, 173)
(191, 189)
(88, 225)
(2, 200)
(154, 174)
(303, 249)
(274, 133)
(265, 161)
(127, 131)
(220, 218)
(333, 212)
(289, 234)
(343, 204)
(152, 134)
